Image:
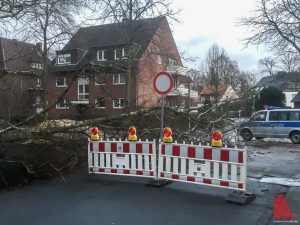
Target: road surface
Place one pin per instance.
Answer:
(113, 200)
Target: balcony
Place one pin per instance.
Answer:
(177, 70)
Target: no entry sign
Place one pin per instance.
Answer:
(163, 83)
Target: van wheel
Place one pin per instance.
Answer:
(246, 135)
(295, 137)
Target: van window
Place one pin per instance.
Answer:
(261, 116)
(295, 115)
(278, 116)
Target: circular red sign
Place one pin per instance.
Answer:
(163, 83)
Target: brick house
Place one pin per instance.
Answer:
(220, 94)
(93, 66)
(296, 101)
(20, 91)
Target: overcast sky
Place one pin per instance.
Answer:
(205, 22)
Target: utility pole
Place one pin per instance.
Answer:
(253, 104)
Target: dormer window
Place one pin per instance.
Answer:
(124, 53)
(121, 53)
(63, 59)
(101, 55)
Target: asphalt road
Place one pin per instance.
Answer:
(114, 200)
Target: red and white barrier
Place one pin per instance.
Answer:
(126, 158)
(206, 165)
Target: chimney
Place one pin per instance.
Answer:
(39, 45)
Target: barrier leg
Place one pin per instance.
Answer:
(159, 165)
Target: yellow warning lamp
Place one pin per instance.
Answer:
(167, 135)
(95, 134)
(132, 134)
(216, 139)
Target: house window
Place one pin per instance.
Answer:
(100, 103)
(83, 89)
(36, 65)
(121, 53)
(38, 82)
(119, 79)
(99, 80)
(101, 55)
(62, 103)
(38, 100)
(119, 103)
(172, 62)
(38, 104)
(64, 59)
(124, 53)
(118, 53)
(61, 82)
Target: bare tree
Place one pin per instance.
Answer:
(219, 68)
(50, 22)
(276, 24)
(129, 11)
(198, 78)
(289, 62)
(267, 65)
(15, 9)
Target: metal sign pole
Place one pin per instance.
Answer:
(162, 117)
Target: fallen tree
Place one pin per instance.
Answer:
(56, 146)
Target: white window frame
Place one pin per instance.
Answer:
(102, 54)
(84, 82)
(172, 62)
(61, 59)
(65, 103)
(119, 103)
(117, 81)
(38, 82)
(36, 65)
(115, 53)
(123, 53)
(96, 101)
(65, 82)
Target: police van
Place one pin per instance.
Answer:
(273, 123)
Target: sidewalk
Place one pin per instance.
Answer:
(293, 198)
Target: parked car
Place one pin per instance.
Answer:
(273, 123)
